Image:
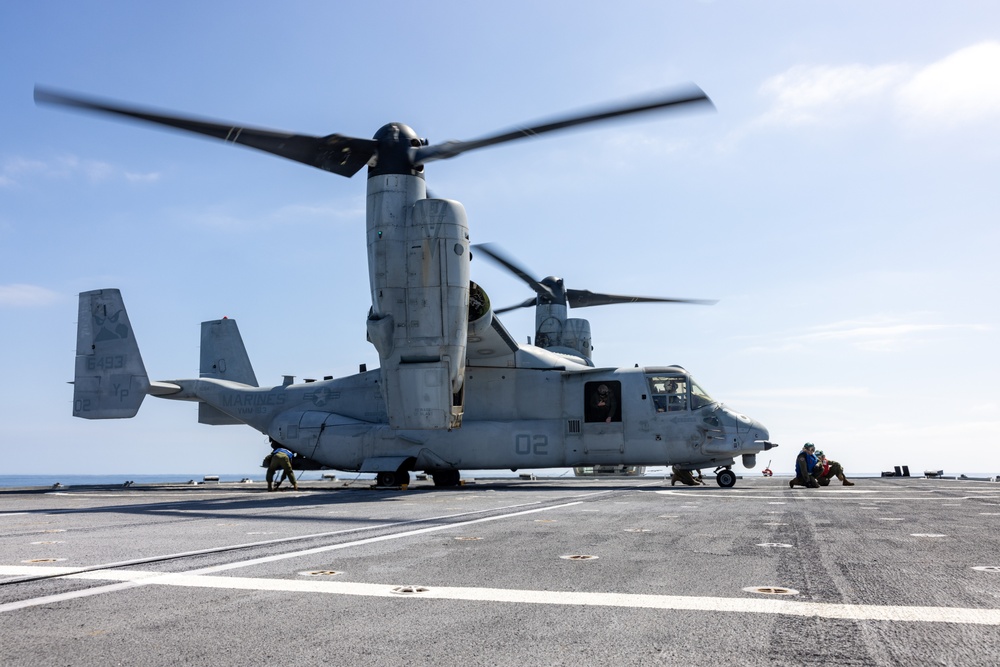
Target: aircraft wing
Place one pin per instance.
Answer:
(493, 346)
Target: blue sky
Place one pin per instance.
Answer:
(841, 204)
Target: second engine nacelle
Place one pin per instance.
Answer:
(420, 299)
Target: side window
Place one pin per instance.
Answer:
(602, 401)
(699, 398)
(670, 393)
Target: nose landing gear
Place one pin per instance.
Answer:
(725, 477)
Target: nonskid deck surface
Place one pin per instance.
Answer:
(567, 571)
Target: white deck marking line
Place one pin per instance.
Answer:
(854, 612)
(371, 540)
(279, 540)
(236, 495)
(837, 494)
(145, 579)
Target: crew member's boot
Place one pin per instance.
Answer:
(843, 479)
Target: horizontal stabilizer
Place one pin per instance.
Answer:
(215, 417)
(110, 380)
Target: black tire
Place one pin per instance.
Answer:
(726, 479)
(386, 479)
(446, 477)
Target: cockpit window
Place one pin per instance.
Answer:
(669, 392)
(699, 397)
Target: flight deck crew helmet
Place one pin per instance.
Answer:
(808, 445)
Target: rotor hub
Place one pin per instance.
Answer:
(396, 145)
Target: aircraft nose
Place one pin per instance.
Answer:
(752, 433)
(758, 431)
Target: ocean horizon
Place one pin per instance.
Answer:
(8, 481)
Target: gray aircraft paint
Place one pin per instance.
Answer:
(525, 406)
(449, 392)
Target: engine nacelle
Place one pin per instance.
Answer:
(565, 335)
(576, 335)
(419, 268)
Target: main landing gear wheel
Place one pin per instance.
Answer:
(446, 477)
(398, 478)
(726, 479)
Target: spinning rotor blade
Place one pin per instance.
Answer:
(497, 255)
(334, 153)
(577, 298)
(447, 149)
(527, 303)
(574, 298)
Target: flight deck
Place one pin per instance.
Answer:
(604, 571)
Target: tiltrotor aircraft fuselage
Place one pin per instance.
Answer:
(453, 389)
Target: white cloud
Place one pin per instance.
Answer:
(20, 295)
(874, 335)
(92, 170)
(934, 434)
(821, 392)
(963, 87)
(322, 212)
(823, 94)
(960, 88)
(989, 408)
(871, 335)
(236, 217)
(802, 399)
(16, 170)
(151, 177)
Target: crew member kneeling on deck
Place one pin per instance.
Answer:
(678, 474)
(826, 470)
(805, 462)
(279, 458)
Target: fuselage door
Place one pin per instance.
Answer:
(603, 432)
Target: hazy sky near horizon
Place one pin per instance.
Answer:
(841, 204)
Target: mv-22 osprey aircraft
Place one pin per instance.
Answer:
(454, 390)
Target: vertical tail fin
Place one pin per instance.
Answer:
(110, 380)
(223, 354)
(223, 357)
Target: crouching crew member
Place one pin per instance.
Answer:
(279, 459)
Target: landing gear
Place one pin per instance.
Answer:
(446, 477)
(726, 478)
(398, 478)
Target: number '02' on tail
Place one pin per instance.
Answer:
(110, 380)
